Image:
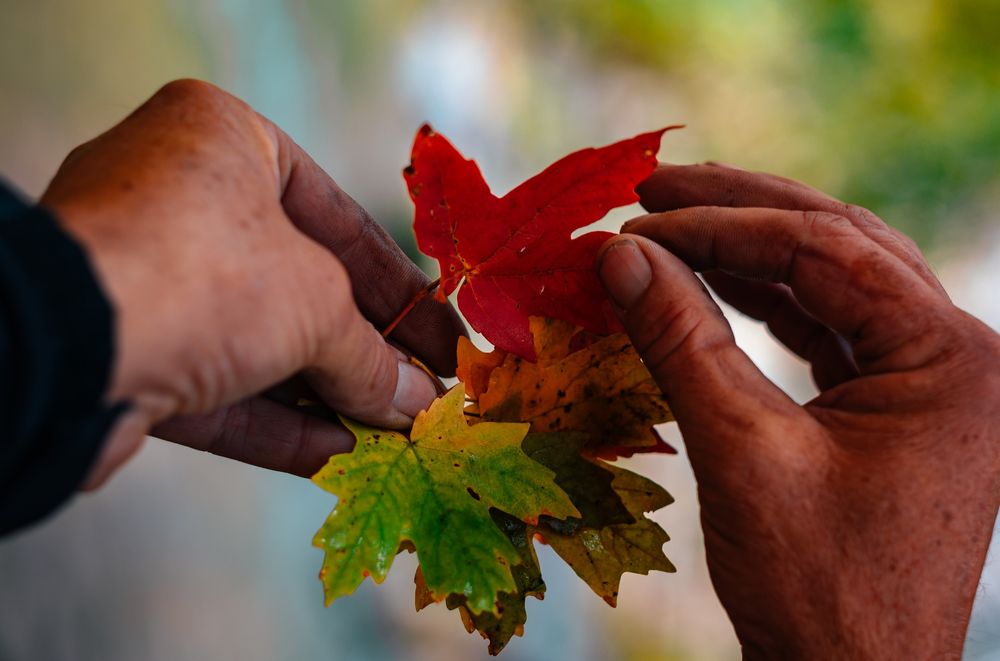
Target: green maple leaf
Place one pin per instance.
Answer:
(611, 536)
(434, 490)
(510, 615)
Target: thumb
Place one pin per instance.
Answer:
(686, 343)
(361, 376)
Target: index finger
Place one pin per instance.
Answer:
(678, 186)
(848, 282)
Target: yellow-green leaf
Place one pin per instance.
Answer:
(435, 490)
(510, 616)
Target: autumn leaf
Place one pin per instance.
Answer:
(475, 367)
(601, 554)
(475, 483)
(434, 490)
(611, 536)
(515, 253)
(510, 615)
(603, 389)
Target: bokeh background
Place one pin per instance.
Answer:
(894, 105)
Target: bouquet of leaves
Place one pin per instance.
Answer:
(518, 452)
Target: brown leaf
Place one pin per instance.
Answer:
(602, 389)
(600, 555)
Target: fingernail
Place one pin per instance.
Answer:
(625, 272)
(414, 390)
(630, 223)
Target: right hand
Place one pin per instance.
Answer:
(856, 525)
(234, 262)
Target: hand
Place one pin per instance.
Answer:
(854, 526)
(230, 258)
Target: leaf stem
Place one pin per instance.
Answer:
(438, 383)
(419, 296)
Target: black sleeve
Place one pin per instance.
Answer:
(55, 351)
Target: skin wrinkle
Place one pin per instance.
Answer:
(764, 190)
(851, 527)
(863, 500)
(202, 261)
(806, 252)
(231, 430)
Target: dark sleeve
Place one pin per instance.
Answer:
(55, 352)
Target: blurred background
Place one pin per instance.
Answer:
(894, 105)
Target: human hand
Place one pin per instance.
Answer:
(230, 258)
(856, 525)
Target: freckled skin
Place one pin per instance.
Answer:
(854, 526)
(233, 262)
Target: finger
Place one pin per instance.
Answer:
(123, 441)
(843, 279)
(712, 185)
(356, 372)
(262, 433)
(383, 278)
(689, 348)
(827, 353)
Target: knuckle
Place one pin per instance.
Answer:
(77, 153)
(375, 381)
(189, 90)
(863, 216)
(871, 222)
(910, 250)
(675, 333)
(826, 224)
(196, 103)
(231, 434)
(908, 243)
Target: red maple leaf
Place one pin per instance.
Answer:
(515, 253)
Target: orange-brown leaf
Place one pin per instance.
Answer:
(600, 555)
(602, 389)
(475, 366)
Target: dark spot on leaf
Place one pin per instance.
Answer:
(471, 491)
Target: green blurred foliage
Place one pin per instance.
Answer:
(891, 104)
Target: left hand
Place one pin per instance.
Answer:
(234, 262)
